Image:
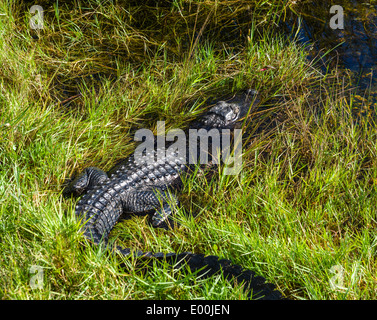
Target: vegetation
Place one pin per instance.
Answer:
(301, 213)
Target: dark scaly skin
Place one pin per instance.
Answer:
(140, 189)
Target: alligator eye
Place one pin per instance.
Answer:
(231, 116)
(235, 112)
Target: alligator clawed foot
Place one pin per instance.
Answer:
(162, 218)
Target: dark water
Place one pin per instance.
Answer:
(353, 48)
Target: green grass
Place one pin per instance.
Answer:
(303, 206)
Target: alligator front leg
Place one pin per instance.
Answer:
(144, 201)
(85, 181)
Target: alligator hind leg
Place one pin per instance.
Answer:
(161, 218)
(85, 181)
(144, 201)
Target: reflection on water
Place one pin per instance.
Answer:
(355, 45)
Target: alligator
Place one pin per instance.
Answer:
(141, 187)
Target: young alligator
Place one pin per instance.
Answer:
(140, 188)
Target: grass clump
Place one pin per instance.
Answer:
(73, 94)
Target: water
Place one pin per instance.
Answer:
(353, 48)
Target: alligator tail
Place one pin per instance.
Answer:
(99, 222)
(206, 266)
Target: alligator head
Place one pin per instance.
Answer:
(228, 113)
